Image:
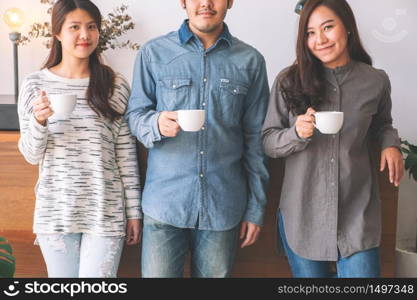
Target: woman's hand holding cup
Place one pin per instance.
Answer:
(41, 109)
(304, 125)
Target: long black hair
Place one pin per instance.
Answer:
(303, 84)
(102, 77)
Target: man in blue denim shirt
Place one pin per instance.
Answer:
(201, 187)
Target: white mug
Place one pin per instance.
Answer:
(62, 104)
(191, 120)
(329, 122)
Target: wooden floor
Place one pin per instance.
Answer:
(29, 261)
(17, 179)
(252, 262)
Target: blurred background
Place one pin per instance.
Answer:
(388, 29)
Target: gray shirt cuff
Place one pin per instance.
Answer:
(294, 136)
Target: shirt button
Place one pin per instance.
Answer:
(204, 103)
(174, 86)
(332, 160)
(203, 128)
(201, 175)
(332, 184)
(235, 91)
(201, 152)
(335, 89)
(205, 79)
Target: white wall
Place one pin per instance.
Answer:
(269, 25)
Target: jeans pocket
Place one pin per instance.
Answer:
(230, 103)
(173, 94)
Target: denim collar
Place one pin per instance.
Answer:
(186, 34)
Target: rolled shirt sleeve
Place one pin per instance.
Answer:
(253, 157)
(141, 113)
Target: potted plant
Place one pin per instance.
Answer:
(406, 249)
(411, 159)
(7, 261)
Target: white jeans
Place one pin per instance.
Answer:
(81, 255)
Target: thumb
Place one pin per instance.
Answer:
(383, 163)
(172, 115)
(310, 111)
(243, 229)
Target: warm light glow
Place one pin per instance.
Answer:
(13, 18)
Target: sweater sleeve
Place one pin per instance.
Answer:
(126, 157)
(33, 136)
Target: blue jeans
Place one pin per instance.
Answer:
(81, 255)
(165, 247)
(364, 264)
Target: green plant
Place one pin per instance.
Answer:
(411, 160)
(114, 25)
(7, 261)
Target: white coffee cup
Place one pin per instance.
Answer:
(191, 120)
(62, 104)
(329, 122)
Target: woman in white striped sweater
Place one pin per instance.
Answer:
(88, 191)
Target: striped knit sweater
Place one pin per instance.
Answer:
(88, 172)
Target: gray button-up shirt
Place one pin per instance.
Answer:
(330, 199)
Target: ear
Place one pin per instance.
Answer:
(229, 4)
(182, 3)
(58, 37)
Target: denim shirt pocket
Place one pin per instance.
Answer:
(173, 94)
(231, 100)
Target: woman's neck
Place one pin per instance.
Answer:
(73, 68)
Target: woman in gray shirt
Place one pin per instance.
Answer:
(330, 208)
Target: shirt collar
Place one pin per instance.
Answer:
(338, 75)
(186, 34)
(342, 69)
